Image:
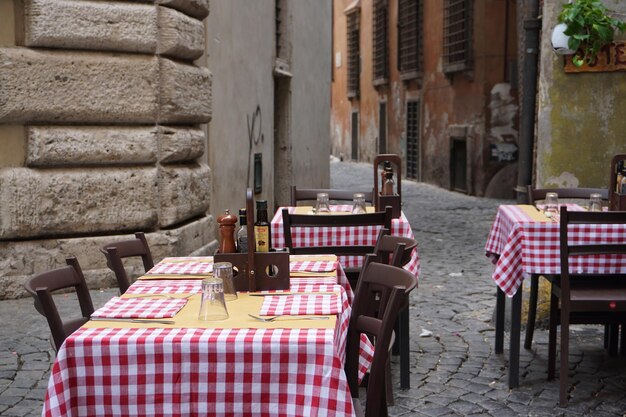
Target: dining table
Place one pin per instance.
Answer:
(524, 240)
(168, 362)
(342, 236)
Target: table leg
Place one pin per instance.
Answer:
(514, 349)
(500, 320)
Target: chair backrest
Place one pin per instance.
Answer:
(290, 221)
(310, 194)
(615, 245)
(116, 251)
(535, 194)
(381, 292)
(42, 285)
(394, 250)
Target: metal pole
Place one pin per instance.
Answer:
(532, 27)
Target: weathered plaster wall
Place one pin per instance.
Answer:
(581, 117)
(101, 115)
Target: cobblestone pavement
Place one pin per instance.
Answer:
(454, 372)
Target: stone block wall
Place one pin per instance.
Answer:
(107, 106)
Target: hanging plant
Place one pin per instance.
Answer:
(589, 28)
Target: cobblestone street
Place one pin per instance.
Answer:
(454, 371)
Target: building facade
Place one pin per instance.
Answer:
(104, 122)
(433, 81)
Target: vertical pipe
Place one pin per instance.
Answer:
(532, 27)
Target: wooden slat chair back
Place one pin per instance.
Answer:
(310, 194)
(116, 251)
(41, 287)
(539, 194)
(584, 299)
(381, 291)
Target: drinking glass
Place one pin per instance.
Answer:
(358, 205)
(323, 205)
(595, 202)
(224, 271)
(552, 204)
(213, 306)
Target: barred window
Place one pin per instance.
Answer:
(410, 38)
(381, 41)
(457, 35)
(354, 54)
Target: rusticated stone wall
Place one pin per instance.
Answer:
(101, 132)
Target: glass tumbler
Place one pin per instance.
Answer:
(552, 204)
(323, 205)
(595, 202)
(224, 271)
(213, 306)
(358, 205)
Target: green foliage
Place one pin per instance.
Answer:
(589, 28)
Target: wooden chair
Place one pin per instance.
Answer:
(396, 251)
(584, 299)
(310, 194)
(290, 221)
(535, 195)
(42, 285)
(115, 252)
(380, 294)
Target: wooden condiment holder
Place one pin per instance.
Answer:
(257, 271)
(617, 200)
(394, 201)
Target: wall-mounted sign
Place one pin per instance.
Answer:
(502, 152)
(612, 57)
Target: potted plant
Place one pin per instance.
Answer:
(589, 28)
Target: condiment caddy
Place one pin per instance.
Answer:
(257, 271)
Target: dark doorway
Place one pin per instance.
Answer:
(382, 127)
(355, 136)
(412, 139)
(458, 164)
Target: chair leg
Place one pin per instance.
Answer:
(499, 345)
(403, 342)
(563, 372)
(389, 384)
(613, 338)
(532, 311)
(606, 336)
(622, 341)
(554, 302)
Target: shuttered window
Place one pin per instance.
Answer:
(354, 55)
(410, 38)
(457, 35)
(381, 42)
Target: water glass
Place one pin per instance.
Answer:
(213, 306)
(224, 271)
(552, 204)
(323, 204)
(595, 202)
(358, 205)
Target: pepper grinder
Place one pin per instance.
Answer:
(227, 232)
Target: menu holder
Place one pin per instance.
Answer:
(617, 200)
(394, 201)
(257, 271)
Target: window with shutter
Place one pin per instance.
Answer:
(354, 55)
(457, 35)
(410, 38)
(381, 42)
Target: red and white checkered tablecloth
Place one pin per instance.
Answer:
(312, 266)
(192, 267)
(520, 246)
(165, 286)
(301, 304)
(139, 308)
(183, 371)
(363, 235)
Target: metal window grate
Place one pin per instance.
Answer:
(353, 54)
(412, 139)
(380, 41)
(279, 29)
(457, 34)
(410, 39)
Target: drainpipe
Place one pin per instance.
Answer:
(532, 28)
